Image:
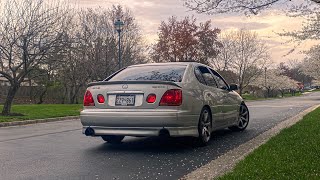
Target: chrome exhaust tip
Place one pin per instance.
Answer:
(164, 133)
(89, 132)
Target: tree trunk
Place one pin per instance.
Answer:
(240, 90)
(65, 96)
(72, 98)
(75, 97)
(72, 94)
(42, 95)
(10, 96)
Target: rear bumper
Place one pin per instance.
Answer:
(139, 122)
(143, 131)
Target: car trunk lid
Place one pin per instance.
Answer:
(129, 94)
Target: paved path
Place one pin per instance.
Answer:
(58, 150)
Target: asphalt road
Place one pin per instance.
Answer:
(58, 150)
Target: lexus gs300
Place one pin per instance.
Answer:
(162, 99)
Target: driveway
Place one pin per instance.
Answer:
(58, 150)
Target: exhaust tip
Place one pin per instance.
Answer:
(164, 133)
(89, 132)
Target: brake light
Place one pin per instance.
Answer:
(100, 98)
(151, 98)
(88, 99)
(172, 97)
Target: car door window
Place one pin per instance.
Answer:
(221, 83)
(209, 79)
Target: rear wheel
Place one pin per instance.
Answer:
(204, 127)
(243, 119)
(112, 139)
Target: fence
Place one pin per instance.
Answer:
(31, 95)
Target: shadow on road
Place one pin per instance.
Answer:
(168, 145)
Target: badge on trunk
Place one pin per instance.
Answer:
(125, 86)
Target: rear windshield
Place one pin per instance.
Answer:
(151, 73)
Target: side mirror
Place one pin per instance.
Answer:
(233, 87)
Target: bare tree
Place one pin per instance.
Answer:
(29, 32)
(244, 54)
(92, 52)
(224, 58)
(246, 6)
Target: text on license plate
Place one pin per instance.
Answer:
(125, 100)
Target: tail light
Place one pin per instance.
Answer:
(172, 97)
(88, 99)
(151, 98)
(100, 98)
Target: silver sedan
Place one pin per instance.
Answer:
(162, 99)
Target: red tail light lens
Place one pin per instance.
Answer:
(100, 98)
(88, 99)
(172, 97)
(151, 98)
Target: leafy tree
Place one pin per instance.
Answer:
(295, 72)
(311, 64)
(186, 41)
(273, 80)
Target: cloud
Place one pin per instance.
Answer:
(150, 13)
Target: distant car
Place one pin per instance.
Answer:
(307, 88)
(162, 99)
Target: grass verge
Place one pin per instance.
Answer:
(41, 111)
(251, 97)
(315, 90)
(293, 154)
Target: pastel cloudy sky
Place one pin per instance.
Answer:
(150, 13)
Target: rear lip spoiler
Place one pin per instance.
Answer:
(132, 82)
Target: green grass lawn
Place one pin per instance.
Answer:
(42, 111)
(293, 154)
(250, 97)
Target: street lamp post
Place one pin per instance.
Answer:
(118, 25)
(265, 80)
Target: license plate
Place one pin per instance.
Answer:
(125, 100)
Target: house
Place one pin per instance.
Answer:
(4, 82)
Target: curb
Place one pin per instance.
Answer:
(26, 122)
(227, 162)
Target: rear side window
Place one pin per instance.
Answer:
(221, 83)
(210, 81)
(199, 76)
(151, 73)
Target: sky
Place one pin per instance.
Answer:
(150, 13)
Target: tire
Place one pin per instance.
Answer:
(243, 119)
(112, 139)
(204, 127)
